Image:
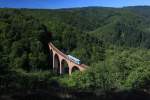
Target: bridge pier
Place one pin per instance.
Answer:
(60, 67)
(70, 71)
(53, 62)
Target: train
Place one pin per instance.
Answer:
(75, 60)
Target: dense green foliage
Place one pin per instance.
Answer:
(124, 68)
(23, 50)
(114, 43)
(22, 43)
(122, 27)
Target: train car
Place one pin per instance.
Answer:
(75, 60)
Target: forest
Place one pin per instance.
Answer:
(113, 42)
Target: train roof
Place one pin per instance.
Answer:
(73, 58)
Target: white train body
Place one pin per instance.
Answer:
(75, 60)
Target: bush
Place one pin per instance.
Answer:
(140, 78)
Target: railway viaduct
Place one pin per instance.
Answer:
(61, 63)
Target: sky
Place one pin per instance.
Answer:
(55, 4)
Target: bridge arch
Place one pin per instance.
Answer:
(56, 63)
(51, 58)
(74, 69)
(64, 67)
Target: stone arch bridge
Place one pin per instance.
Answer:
(61, 63)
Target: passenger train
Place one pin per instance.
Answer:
(75, 60)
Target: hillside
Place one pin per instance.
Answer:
(130, 26)
(142, 10)
(113, 42)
